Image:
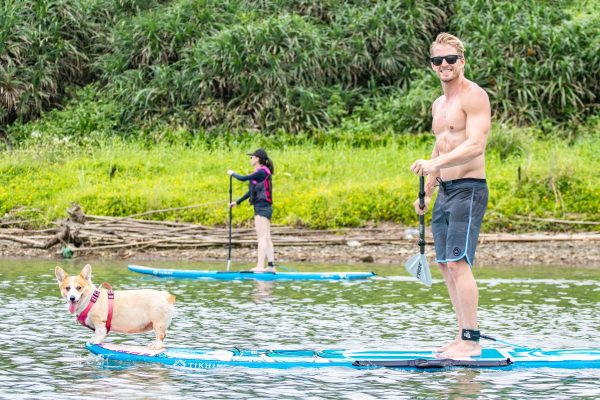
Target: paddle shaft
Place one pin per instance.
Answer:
(422, 216)
(230, 218)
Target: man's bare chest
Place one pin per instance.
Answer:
(449, 117)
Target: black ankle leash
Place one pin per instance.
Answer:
(470, 334)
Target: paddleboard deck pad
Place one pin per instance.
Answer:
(197, 358)
(237, 275)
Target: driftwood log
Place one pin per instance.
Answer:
(83, 233)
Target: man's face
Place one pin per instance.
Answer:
(447, 72)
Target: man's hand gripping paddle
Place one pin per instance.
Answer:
(417, 265)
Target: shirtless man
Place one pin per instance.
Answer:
(461, 123)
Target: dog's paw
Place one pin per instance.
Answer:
(96, 340)
(156, 346)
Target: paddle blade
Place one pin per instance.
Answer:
(417, 266)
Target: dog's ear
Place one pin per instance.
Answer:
(86, 272)
(60, 273)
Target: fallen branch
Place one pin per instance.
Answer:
(559, 221)
(537, 238)
(17, 239)
(88, 233)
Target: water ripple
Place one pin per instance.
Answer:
(42, 353)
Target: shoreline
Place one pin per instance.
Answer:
(358, 246)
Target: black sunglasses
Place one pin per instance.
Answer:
(450, 59)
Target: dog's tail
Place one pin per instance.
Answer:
(170, 298)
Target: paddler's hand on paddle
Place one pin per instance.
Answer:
(424, 167)
(420, 210)
(232, 204)
(230, 172)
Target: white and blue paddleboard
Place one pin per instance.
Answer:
(261, 276)
(196, 358)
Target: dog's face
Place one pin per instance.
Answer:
(73, 288)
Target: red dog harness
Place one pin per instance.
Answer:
(111, 295)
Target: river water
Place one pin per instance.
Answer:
(42, 351)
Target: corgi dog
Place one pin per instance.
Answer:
(125, 311)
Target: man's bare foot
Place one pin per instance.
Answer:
(257, 269)
(465, 348)
(447, 345)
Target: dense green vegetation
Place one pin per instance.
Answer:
(329, 184)
(49, 47)
(534, 62)
(130, 105)
(293, 66)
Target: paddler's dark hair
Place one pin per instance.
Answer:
(267, 162)
(263, 159)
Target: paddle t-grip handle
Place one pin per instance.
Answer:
(422, 216)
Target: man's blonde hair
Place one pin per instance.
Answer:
(446, 38)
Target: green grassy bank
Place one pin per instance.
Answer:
(330, 184)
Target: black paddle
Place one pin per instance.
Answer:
(230, 217)
(417, 265)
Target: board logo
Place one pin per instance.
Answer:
(179, 363)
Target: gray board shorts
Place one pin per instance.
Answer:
(263, 209)
(456, 220)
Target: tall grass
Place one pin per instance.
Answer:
(550, 180)
(265, 65)
(48, 47)
(536, 62)
(297, 66)
(42, 46)
(307, 66)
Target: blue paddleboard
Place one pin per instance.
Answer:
(198, 358)
(261, 276)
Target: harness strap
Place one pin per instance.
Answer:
(441, 183)
(83, 316)
(111, 298)
(470, 334)
(111, 295)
